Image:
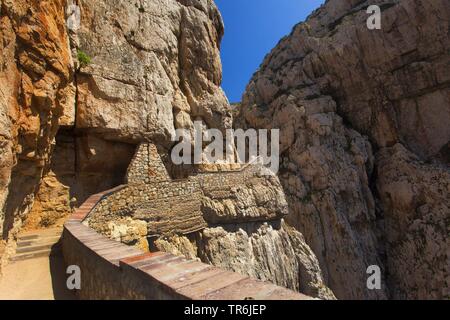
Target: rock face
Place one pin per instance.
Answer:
(364, 136)
(158, 68)
(339, 92)
(415, 196)
(36, 77)
(154, 67)
(70, 127)
(268, 251)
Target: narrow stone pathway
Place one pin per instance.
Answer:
(36, 271)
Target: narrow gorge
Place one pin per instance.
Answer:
(363, 115)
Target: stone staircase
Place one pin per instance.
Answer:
(40, 243)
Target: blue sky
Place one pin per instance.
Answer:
(252, 29)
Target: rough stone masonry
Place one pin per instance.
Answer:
(188, 205)
(153, 205)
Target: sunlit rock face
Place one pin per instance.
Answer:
(341, 94)
(36, 86)
(271, 251)
(70, 129)
(364, 134)
(155, 68)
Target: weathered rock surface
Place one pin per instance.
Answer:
(188, 205)
(157, 69)
(250, 196)
(326, 85)
(416, 202)
(267, 251)
(129, 231)
(364, 135)
(35, 78)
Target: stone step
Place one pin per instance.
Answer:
(37, 241)
(37, 236)
(30, 235)
(42, 231)
(36, 254)
(36, 248)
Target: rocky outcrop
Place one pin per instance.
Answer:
(36, 77)
(157, 69)
(339, 92)
(267, 251)
(364, 137)
(154, 67)
(415, 198)
(229, 219)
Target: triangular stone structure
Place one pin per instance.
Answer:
(147, 166)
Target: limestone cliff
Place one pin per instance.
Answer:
(232, 219)
(36, 85)
(364, 136)
(75, 102)
(154, 67)
(343, 96)
(270, 251)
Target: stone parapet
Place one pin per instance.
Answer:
(112, 270)
(246, 194)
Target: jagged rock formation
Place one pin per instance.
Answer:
(270, 251)
(155, 67)
(415, 197)
(36, 86)
(340, 92)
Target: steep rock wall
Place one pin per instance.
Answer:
(327, 86)
(36, 75)
(415, 197)
(230, 219)
(154, 67)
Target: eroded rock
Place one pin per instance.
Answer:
(35, 74)
(327, 86)
(416, 202)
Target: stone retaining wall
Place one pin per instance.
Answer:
(112, 270)
(188, 205)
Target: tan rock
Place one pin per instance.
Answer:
(416, 203)
(267, 251)
(326, 85)
(32, 85)
(158, 68)
(129, 231)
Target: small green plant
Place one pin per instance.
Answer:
(83, 58)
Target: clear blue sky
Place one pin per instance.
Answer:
(252, 29)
